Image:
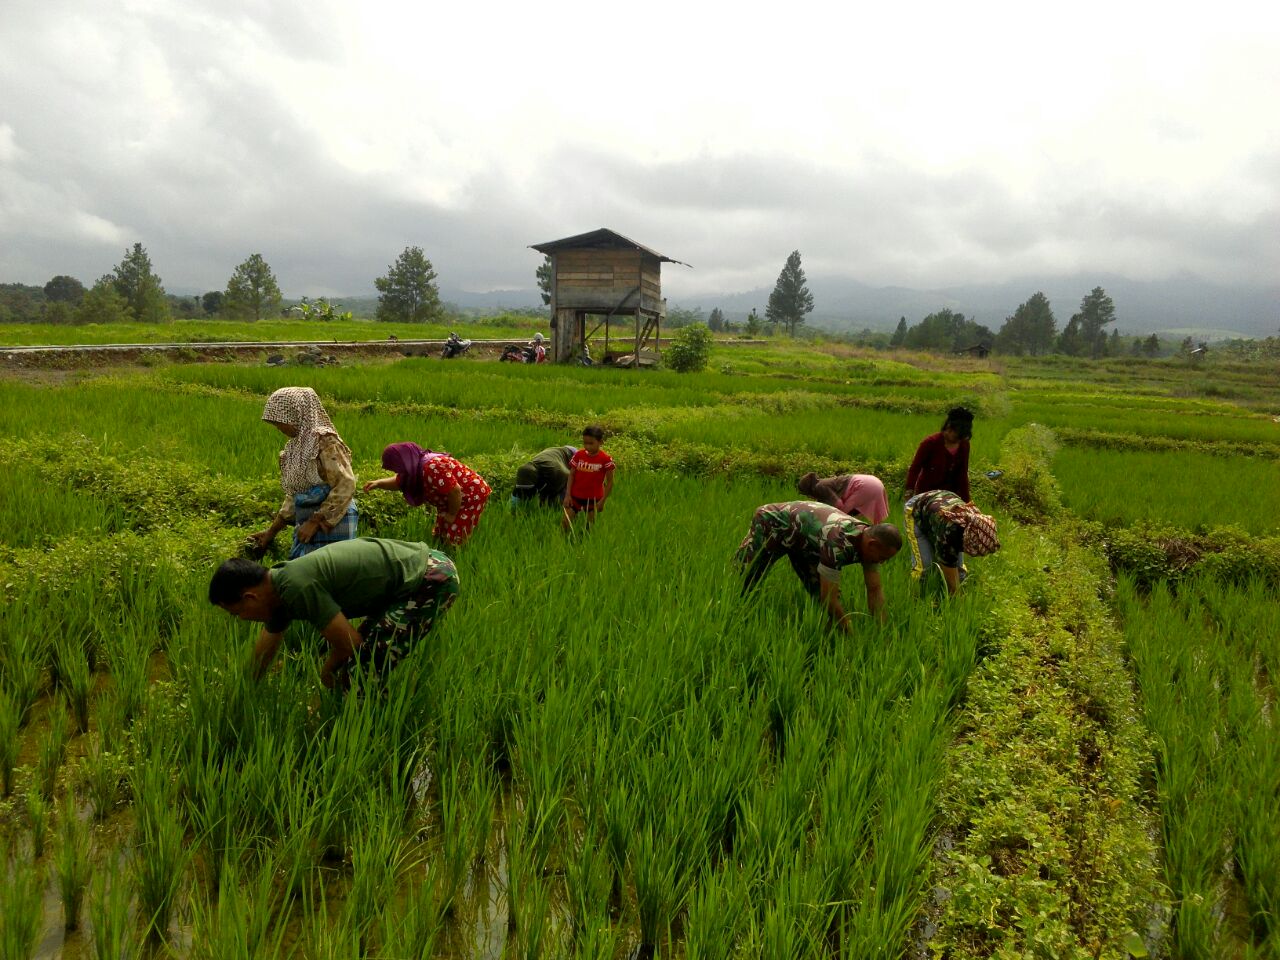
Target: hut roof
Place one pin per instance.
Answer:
(603, 239)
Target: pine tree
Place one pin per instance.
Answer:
(408, 292)
(252, 290)
(1096, 311)
(1031, 329)
(899, 333)
(1113, 348)
(752, 326)
(141, 289)
(1071, 342)
(543, 273)
(791, 299)
(715, 322)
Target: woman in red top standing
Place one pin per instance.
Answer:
(942, 459)
(590, 478)
(425, 476)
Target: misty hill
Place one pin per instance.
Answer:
(1179, 304)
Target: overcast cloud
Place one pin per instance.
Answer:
(936, 144)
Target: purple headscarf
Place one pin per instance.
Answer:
(405, 460)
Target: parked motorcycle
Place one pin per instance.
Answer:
(454, 347)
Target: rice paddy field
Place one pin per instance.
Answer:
(603, 749)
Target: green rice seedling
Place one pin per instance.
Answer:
(1182, 487)
(847, 802)
(528, 895)
(588, 878)
(621, 822)
(215, 798)
(719, 913)
(327, 937)
(101, 773)
(544, 742)
(127, 663)
(72, 668)
(241, 924)
(778, 812)
(20, 909)
(71, 864)
(379, 856)
(38, 821)
(413, 922)
(10, 718)
(790, 920)
(659, 891)
(463, 812)
(112, 725)
(599, 938)
(40, 512)
(110, 926)
(298, 820)
(903, 839)
(53, 749)
(1257, 839)
(160, 847)
(1181, 687)
(23, 658)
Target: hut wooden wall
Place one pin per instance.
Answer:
(597, 280)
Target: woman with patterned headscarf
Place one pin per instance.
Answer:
(431, 477)
(941, 529)
(315, 472)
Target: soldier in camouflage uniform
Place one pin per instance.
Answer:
(818, 540)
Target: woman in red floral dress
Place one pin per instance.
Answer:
(429, 477)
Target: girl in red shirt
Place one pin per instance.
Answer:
(425, 476)
(942, 459)
(590, 478)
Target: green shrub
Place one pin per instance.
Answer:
(1150, 553)
(692, 350)
(1027, 488)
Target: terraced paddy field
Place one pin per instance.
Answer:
(604, 750)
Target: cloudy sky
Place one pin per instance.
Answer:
(916, 144)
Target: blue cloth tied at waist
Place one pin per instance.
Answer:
(304, 505)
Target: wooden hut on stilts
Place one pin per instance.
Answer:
(604, 281)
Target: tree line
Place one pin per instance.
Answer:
(133, 293)
(408, 293)
(1032, 330)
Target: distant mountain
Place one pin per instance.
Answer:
(1181, 303)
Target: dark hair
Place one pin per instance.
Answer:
(960, 419)
(885, 534)
(594, 430)
(807, 483)
(233, 578)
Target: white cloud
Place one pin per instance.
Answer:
(927, 144)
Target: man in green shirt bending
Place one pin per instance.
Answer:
(398, 588)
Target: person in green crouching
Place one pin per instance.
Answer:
(400, 590)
